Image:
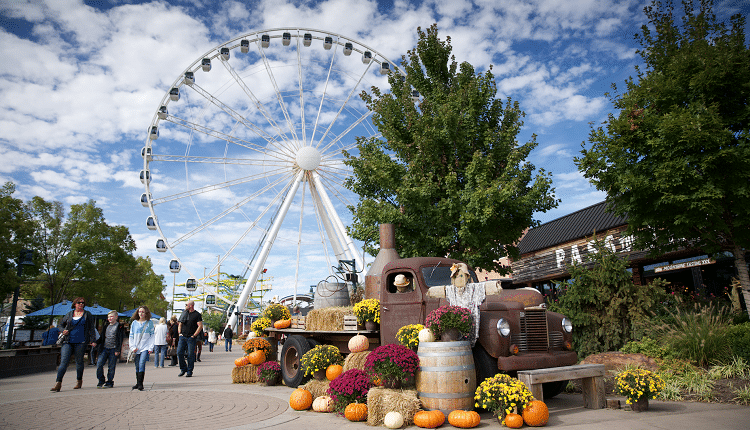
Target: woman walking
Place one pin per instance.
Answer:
(174, 333)
(211, 340)
(78, 327)
(141, 342)
(160, 343)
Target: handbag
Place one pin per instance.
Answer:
(61, 338)
(131, 353)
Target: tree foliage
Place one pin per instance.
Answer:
(607, 310)
(676, 159)
(39, 322)
(213, 320)
(15, 232)
(448, 172)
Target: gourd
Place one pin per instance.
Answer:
(300, 399)
(242, 361)
(463, 419)
(257, 357)
(425, 335)
(513, 421)
(333, 371)
(323, 404)
(356, 412)
(393, 420)
(536, 414)
(283, 323)
(359, 343)
(429, 419)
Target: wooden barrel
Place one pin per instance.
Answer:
(446, 379)
(331, 294)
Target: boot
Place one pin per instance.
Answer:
(140, 376)
(198, 358)
(137, 375)
(57, 386)
(78, 384)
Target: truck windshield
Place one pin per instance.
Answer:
(441, 275)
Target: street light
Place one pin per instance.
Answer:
(25, 258)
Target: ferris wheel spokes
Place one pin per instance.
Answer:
(336, 221)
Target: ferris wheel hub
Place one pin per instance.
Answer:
(308, 158)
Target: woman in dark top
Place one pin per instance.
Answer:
(174, 333)
(78, 327)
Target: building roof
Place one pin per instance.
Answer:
(577, 225)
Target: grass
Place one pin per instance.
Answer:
(737, 368)
(743, 395)
(699, 335)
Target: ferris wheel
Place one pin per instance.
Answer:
(245, 152)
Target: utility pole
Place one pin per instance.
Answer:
(25, 258)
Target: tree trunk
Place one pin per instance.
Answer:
(742, 273)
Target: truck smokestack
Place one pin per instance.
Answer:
(386, 254)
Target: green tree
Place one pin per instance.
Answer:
(213, 320)
(676, 159)
(148, 289)
(607, 310)
(39, 322)
(15, 232)
(448, 172)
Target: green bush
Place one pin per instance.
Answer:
(739, 340)
(650, 347)
(699, 335)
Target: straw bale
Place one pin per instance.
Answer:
(381, 400)
(317, 388)
(327, 319)
(355, 360)
(245, 375)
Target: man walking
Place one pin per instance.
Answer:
(191, 325)
(228, 338)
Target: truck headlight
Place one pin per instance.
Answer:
(567, 325)
(503, 327)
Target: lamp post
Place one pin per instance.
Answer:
(25, 258)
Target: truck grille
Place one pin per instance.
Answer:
(533, 335)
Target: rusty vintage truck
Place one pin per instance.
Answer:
(516, 331)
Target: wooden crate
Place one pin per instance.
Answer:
(350, 322)
(298, 322)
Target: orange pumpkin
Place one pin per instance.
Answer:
(463, 419)
(283, 323)
(356, 412)
(333, 371)
(536, 414)
(242, 361)
(300, 399)
(429, 419)
(359, 343)
(257, 357)
(513, 421)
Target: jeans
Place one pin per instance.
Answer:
(210, 347)
(160, 351)
(67, 349)
(141, 358)
(186, 346)
(228, 344)
(107, 354)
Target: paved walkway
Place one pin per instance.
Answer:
(209, 400)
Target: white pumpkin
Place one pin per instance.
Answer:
(425, 335)
(393, 420)
(359, 343)
(323, 404)
(252, 335)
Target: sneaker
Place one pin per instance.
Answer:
(182, 373)
(190, 374)
(112, 385)
(100, 385)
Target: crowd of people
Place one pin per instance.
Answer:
(180, 339)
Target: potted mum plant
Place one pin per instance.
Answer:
(368, 311)
(502, 395)
(408, 335)
(316, 361)
(637, 385)
(259, 325)
(350, 387)
(394, 365)
(450, 323)
(269, 373)
(257, 343)
(276, 312)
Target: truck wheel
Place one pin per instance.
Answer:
(312, 342)
(295, 346)
(485, 365)
(551, 389)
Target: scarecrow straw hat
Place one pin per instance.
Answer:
(401, 281)
(460, 267)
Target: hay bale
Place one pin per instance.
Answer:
(381, 400)
(245, 375)
(327, 319)
(355, 360)
(317, 388)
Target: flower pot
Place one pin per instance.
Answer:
(640, 405)
(392, 383)
(450, 335)
(371, 325)
(320, 375)
(270, 382)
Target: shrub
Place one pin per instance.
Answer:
(699, 335)
(649, 347)
(351, 386)
(739, 340)
(737, 368)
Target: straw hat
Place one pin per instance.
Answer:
(460, 267)
(401, 281)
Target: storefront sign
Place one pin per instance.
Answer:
(684, 265)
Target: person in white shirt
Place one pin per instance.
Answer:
(160, 343)
(141, 342)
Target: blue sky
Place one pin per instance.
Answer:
(80, 84)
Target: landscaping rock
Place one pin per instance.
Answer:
(613, 361)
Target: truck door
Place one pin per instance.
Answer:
(398, 309)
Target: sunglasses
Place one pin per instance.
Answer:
(80, 303)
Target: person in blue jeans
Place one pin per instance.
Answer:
(109, 345)
(78, 327)
(228, 339)
(141, 342)
(191, 326)
(160, 342)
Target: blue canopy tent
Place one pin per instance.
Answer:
(66, 306)
(129, 314)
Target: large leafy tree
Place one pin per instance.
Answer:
(676, 159)
(448, 171)
(15, 233)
